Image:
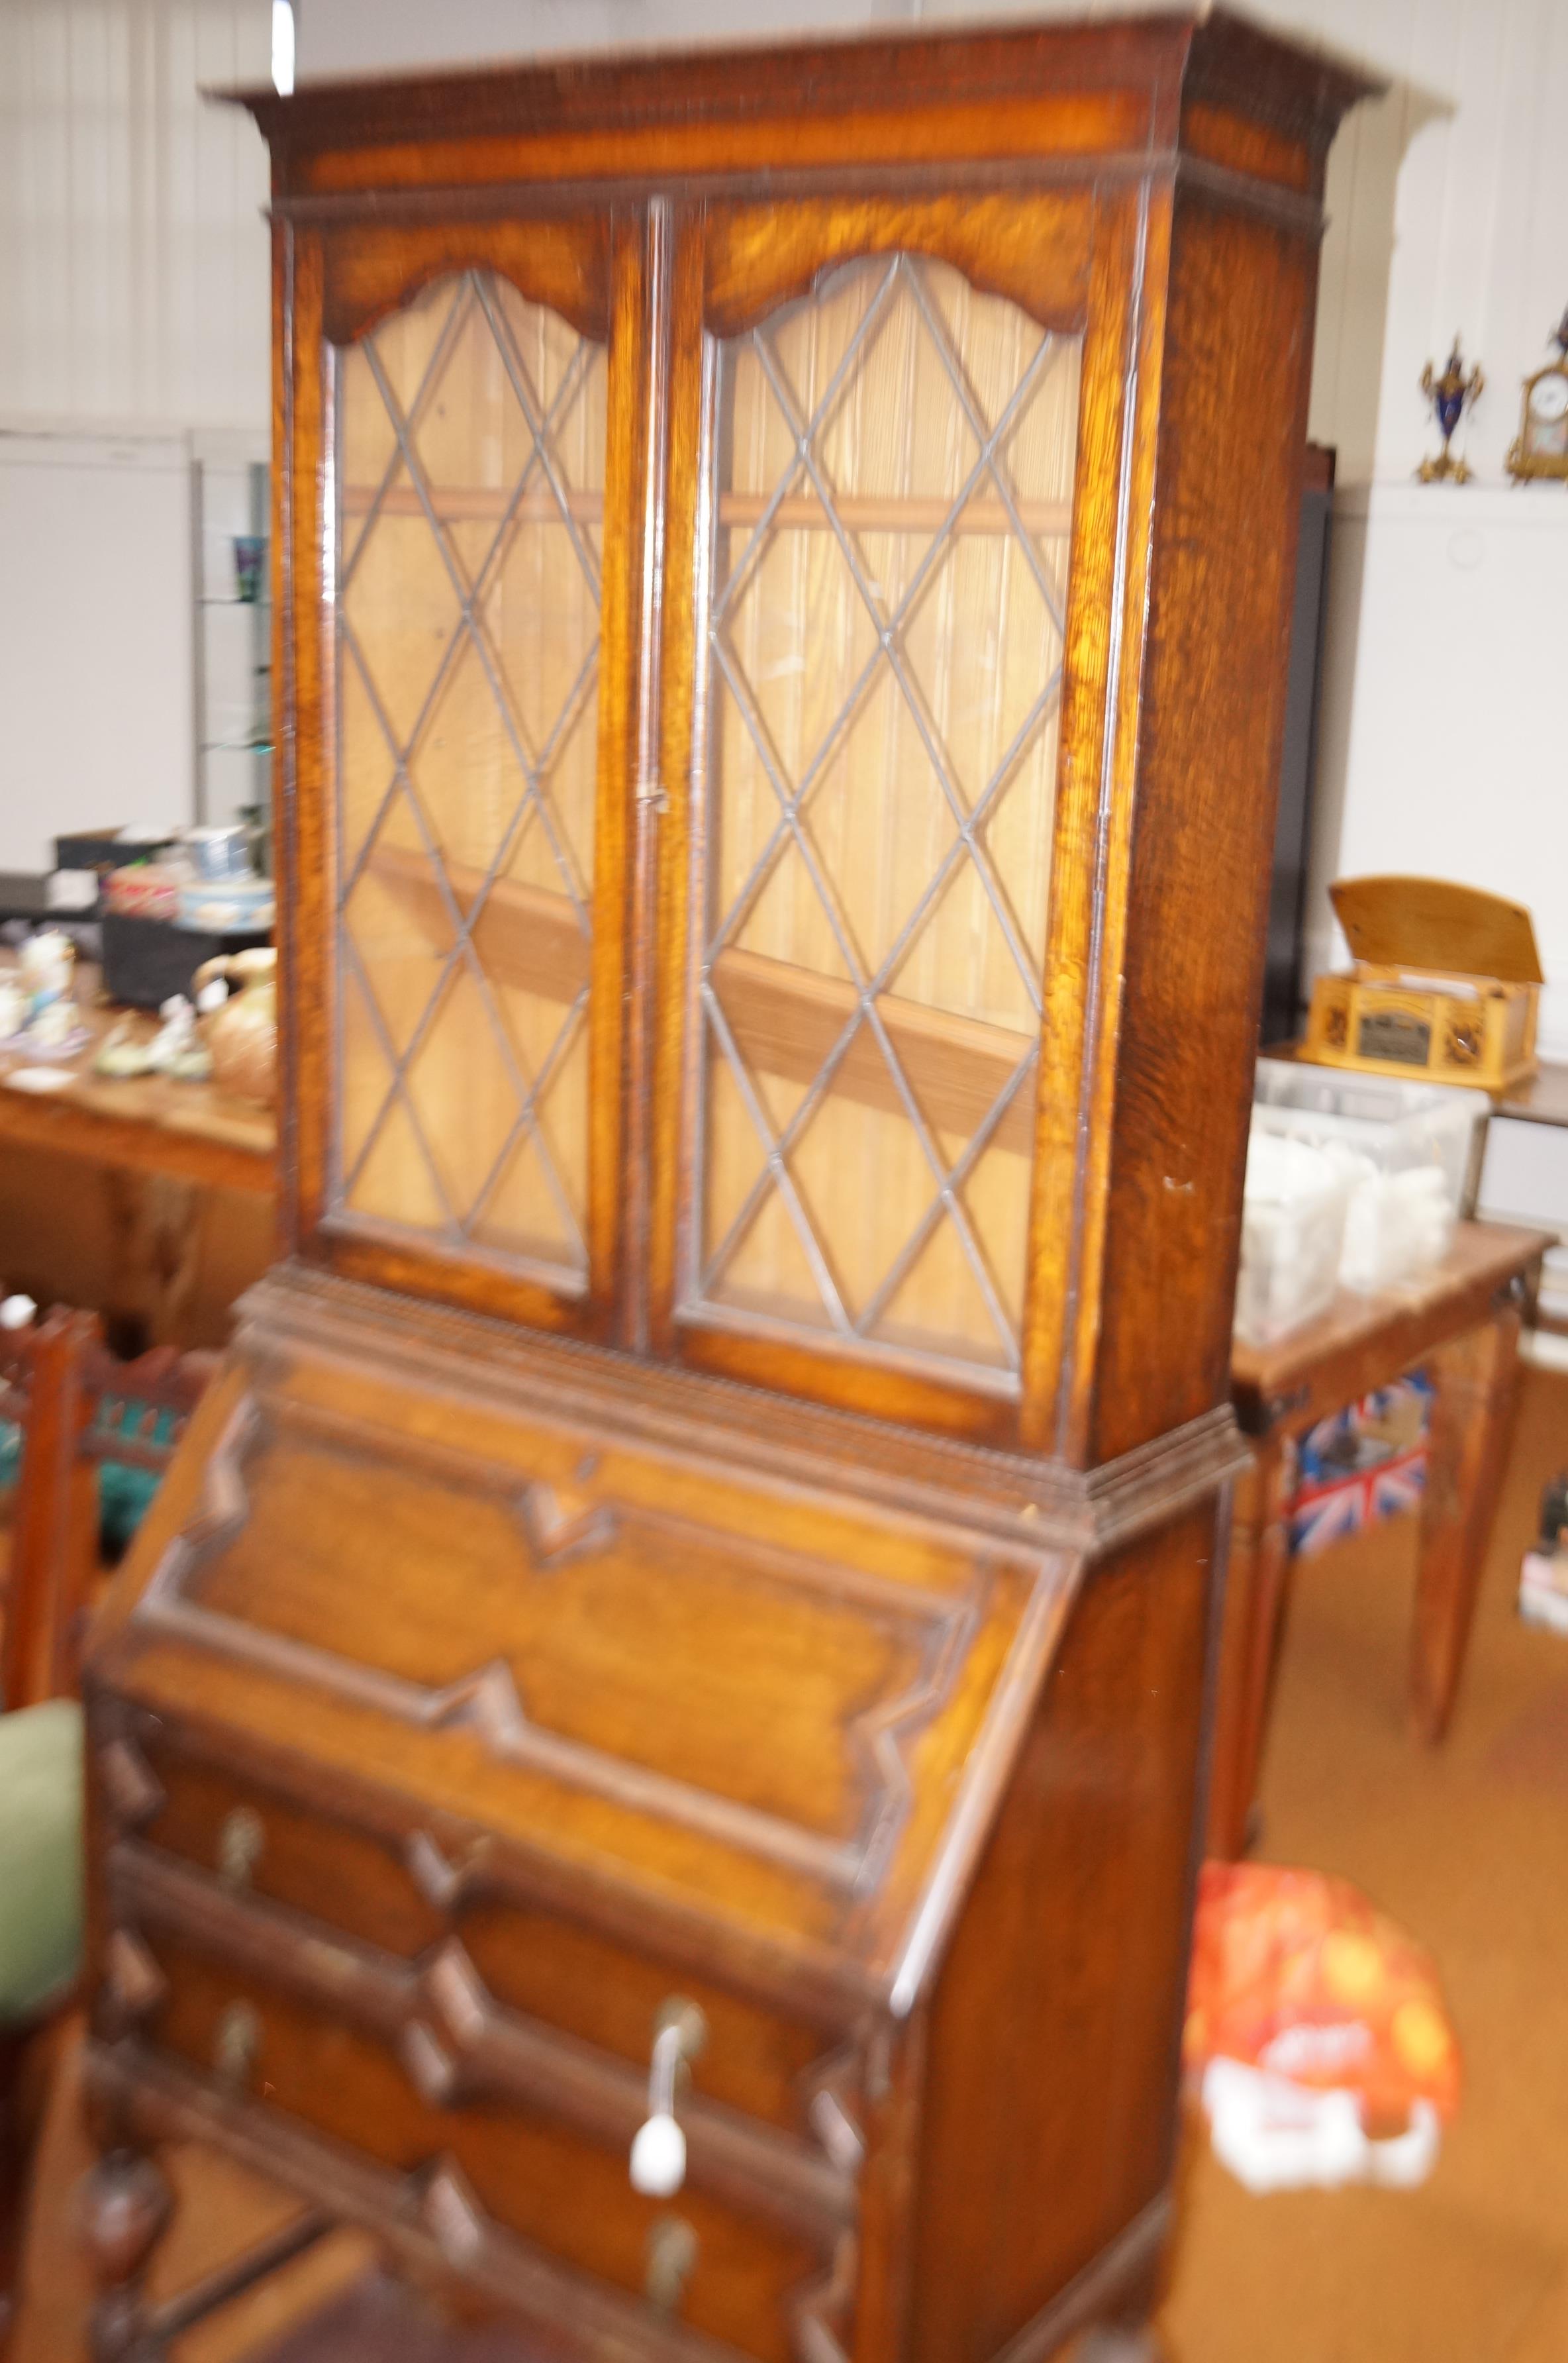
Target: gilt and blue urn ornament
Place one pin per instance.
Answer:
(1451, 396)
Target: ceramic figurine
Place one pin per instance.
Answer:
(53, 1024)
(124, 1052)
(1451, 396)
(48, 963)
(177, 1052)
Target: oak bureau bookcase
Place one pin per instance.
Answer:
(651, 1751)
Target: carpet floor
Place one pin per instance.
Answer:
(1467, 1847)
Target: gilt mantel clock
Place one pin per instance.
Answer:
(1541, 447)
(651, 1750)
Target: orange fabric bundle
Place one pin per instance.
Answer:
(1297, 1974)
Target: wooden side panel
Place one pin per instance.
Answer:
(1232, 440)
(1053, 2047)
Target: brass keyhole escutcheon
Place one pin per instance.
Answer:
(236, 2045)
(672, 2253)
(241, 1842)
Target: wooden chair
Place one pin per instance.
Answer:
(78, 1410)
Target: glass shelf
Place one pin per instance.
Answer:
(231, 708)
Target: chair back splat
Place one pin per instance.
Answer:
(78, 1407)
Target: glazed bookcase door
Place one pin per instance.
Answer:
(475, 794)
(885, 480)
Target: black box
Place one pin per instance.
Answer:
(146, 961)
(101, 849)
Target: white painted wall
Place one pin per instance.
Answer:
(1443, 741)
(94, 637)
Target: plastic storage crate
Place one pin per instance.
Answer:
(1293, 1224)
(1410, 1153)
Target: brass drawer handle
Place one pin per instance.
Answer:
(672, 2253)
(658, 2151)
(241, 1842)
(236, 2045)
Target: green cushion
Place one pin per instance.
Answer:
(40, 1855)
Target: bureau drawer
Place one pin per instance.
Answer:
(403, 1895)
(481, 2161)
(257, 1839)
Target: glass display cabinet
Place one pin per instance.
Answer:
(651, 1751)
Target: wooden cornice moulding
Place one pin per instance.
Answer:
(1120, 83)
(1020, 1498)
(1240, 66)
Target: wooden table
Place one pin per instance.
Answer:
(145, 1124)
(1542, 1098)
(1459, 1322)
(184, 1175)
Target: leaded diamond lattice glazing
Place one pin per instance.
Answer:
(470, 476)
(889, 497)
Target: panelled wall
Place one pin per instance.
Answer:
(134, 331)
(133, 253)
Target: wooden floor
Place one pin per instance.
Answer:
(1467, 1847)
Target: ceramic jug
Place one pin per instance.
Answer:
(242, 1031)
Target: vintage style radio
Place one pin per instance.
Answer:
(651, 1751)
(1444, 987)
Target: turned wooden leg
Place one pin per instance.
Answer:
(126, 2205)
(1473, 1378)
(1256, 1582)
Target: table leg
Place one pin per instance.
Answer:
(1248, 1643)
(155, 1232)
(1473, 1378)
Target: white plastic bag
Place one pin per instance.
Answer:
(1276, 2136)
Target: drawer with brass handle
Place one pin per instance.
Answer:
(405, 1894)
(456, 2044)
(525, 2140)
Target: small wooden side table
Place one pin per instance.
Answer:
(1459, 1322)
